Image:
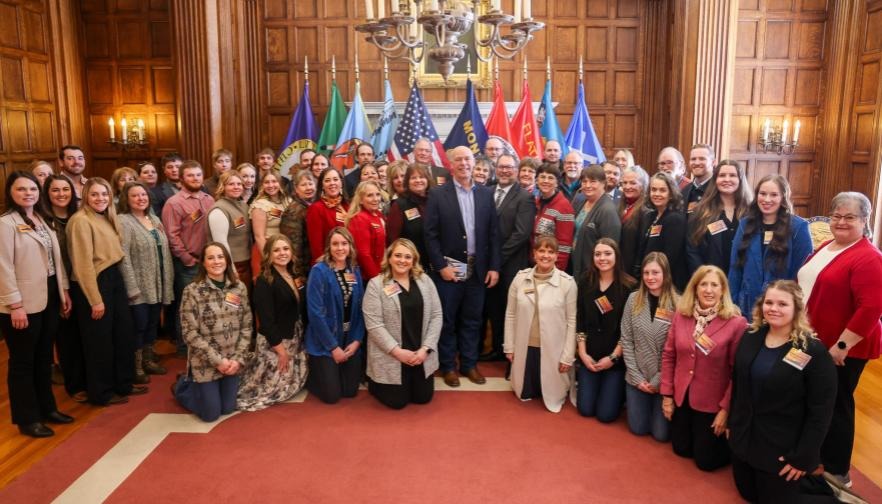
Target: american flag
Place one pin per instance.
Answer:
(416, 124)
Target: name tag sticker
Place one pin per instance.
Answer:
(375, 225)
(529, 290)
(767, 237)
(24, 228)
(340, 216)
(797, 358)
(440, 180)
(412, 213)
(664, 315)
(691, 206)
(349, 277)
(655, 230)
(298, 283)
(393, 289)
(603, 305)
(717, 227)
(275, 213)
(705, 344)
(196, 215)
(239, 222)
(233, 300)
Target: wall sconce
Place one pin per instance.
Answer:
(132, 138)
(777, 138)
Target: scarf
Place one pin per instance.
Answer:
(332, 202)
(703, 317)
(629, 207)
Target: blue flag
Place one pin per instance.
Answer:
(356, 130)
(301, 134)
(386, 124)
(547, 119)
(469, 127)
(580, 135)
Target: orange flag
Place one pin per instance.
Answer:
(525, 135)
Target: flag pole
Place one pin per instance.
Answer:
(385, 68)
(469, 66)
(306, 69)
(496, 71)
(548, 68)
(525, 68)
(356, 64)
(581, 69)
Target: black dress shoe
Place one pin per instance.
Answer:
(58, 417)
(36, 430)
(491, 357)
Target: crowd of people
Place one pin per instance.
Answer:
(693, 302)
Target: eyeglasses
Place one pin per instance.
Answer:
(848, 218)
(665, 163)
(505, 167)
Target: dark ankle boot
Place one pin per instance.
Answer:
(140, 376)
(148, 364)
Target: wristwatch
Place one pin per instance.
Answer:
(613, 357)
(842, 345)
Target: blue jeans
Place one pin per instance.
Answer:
(213, 399)
(600, 394)
(183, 276)
(645, 414)
(463, 306)
(146, 319)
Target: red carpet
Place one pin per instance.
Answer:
(463, 447)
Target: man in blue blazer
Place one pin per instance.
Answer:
(461, 233)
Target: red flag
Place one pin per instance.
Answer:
(526, 138)
(497, 122)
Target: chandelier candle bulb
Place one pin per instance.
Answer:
(369, 9)
(766, 126)
(140, 130)
(796, 132)
(517, 11)
(381, 9)
(497, 5)
(125, 130)
(112, 127)
(528, 9)
(433, 5)
(784, 130)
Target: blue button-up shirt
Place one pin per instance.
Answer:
(466, 199)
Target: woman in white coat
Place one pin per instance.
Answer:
(540, 329)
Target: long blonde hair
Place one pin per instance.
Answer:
(800, 330)
(727, 309)
(266, 259)
(355, 204)
(669, 296)
(282, 197)
(110, 213)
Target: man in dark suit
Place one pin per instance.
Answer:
(364, 154)
(516, 211)
(461, 233)
(422, 153)
(171, 171)
(702, 162)
(613, 174)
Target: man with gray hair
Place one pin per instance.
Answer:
(422, 154)
(670, 161)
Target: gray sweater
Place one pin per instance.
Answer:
(141, 262)
(643, 340)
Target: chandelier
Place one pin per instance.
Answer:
(777, 139)
(400, 34)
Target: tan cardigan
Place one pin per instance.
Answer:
(24, 264)
(94, 247)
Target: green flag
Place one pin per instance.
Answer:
(334, 120)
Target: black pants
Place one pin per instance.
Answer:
(497, 300)
(692, 436)
(330, 381)
(70, 350)
(837, 447)
(30, 361)
(763, 487)
(415, 388)
(109, 342)
(532, 388)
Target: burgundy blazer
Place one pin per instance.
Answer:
(708, 378)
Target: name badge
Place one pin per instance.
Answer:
(298, 283)
(717, 227)
(24, 228)
(767, 237)
(691, 206)
(238, 222)
(797, 358)
(393, 289)
(340, 216)
(440, 180)
(197, 215)
(412, 213)
(349, 277)
(233, 300)
(529, 290)
(603, 305)
(705, 344)
(375, 225)
(275, 213)
(655, 230)
(664, 315)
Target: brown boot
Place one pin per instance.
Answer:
(150, 354)
(149, 365)
(140, 376)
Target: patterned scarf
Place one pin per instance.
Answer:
(703, 317)
(332, 201)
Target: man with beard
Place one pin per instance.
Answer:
(671, 161)
(72, 162)
(364, 154)
(572, 168)
(613, 173)
(493, 148)
(702, 161)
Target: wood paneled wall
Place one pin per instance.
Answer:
(28, 112)
(779, 74)
(129, 72)
(610, 34)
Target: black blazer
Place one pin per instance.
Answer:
(671, 240)
(277, 308)
(791, 416)
(692, 194)
(715, 249)
(160, 194)
(351, 181)
(516, 215)
(445, 234)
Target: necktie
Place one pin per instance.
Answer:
(499, 194)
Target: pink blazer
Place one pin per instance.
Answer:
(708, 378)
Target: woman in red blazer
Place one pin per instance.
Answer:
(843, 286)
(328, 211)
(696, 375)
(368, 228)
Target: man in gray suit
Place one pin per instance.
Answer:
(517, 211)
